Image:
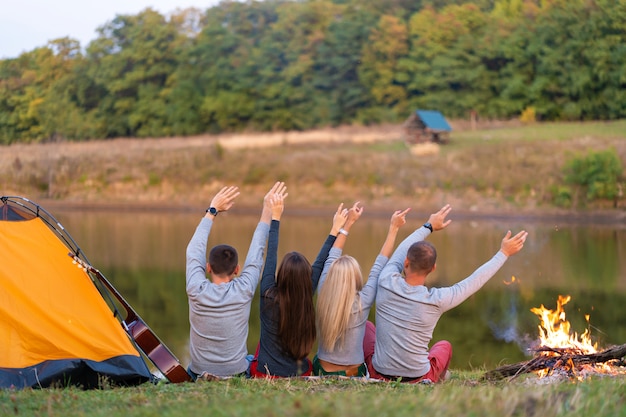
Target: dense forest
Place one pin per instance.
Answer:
(295, 65)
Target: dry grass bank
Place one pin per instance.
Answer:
(506, 169)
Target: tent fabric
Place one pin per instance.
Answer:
(55, 326)
(434, 120)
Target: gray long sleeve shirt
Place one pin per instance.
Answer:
(219, 314)
(406, 315)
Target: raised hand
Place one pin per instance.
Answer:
(354, 213)
(511, 245)
(398, 218)
(278, 189)
(277, 204)
(438, 220)
(225, 198)
(339, 219)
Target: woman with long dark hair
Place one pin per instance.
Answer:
(287, 311)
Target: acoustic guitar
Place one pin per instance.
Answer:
(139, 331)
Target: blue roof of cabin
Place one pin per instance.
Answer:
(433, 120)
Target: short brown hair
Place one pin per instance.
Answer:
(422, 256)
(223, 259)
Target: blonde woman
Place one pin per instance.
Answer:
(344, 303)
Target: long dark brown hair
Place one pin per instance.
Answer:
(293, 296)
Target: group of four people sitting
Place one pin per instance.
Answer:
(348, 344)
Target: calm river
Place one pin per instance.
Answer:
(143, 255)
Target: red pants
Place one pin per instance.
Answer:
(439, 356)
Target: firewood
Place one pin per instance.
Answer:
(560, 356)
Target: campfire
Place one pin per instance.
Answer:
(563, 353)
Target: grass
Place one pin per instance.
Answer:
(463, 395)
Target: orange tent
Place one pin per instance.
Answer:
(55, 327)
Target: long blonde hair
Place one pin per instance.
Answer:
(335, 299)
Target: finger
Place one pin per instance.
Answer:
(445, 208)
(232, 192)
(280, 189)
(275, 186)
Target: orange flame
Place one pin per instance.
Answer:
(554, 329)
(513, 279)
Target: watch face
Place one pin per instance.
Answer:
(213, 211)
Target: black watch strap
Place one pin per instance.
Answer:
(428, 226)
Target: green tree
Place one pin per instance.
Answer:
(446, 68)
(576, 50)
(132, 59)
(287, 57)
(34, 105)
(381, 55)
(217, 79)
(340, 94)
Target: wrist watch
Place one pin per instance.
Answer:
(428, 226)
(212, 210)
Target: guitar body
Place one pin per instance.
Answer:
(157, 352)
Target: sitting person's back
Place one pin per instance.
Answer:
(286, 308)
(343, 305)
(219, 309)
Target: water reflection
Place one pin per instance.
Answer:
(143, 255)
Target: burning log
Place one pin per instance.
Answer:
(558, 357)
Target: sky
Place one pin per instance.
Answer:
(28, 24)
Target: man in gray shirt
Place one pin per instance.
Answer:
(407, 311)
(219, 309)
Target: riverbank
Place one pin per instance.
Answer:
(494, 171)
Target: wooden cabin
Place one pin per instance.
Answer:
(426, 126)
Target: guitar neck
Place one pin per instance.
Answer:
(131, 314)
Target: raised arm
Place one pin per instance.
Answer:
(368, 292)
(348, 217)
(353, 214)
(436, 221)
(339, 219)
(197, 247)
(278, 188)
(398, 219)
(459, 292)
(251, 272)
(222, 201)
(276, 206)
